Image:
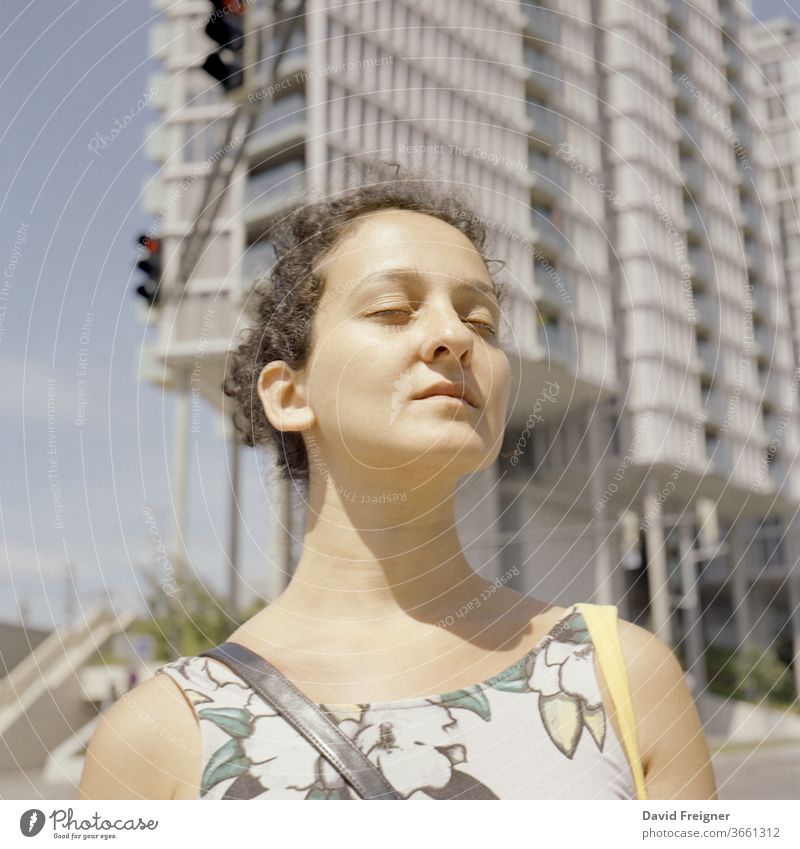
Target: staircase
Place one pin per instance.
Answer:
(42, 702)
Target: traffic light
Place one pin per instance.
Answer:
(150, 263)
(226, 26)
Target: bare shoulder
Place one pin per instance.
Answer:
(673, 748)
(146, 746)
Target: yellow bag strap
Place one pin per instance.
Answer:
(601, 621)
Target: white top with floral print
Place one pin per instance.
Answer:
(536, 730)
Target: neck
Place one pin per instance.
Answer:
(379, 557)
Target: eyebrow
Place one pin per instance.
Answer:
(411, 274)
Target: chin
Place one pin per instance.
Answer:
(456, 460)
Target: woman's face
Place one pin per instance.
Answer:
(384, 335)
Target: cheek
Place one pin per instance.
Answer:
(497, 381)
(353, 375)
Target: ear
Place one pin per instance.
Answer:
(282, 391)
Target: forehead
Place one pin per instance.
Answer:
(394, 238)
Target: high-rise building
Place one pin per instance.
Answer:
(617, 152)
(708, 356)
(777, 53)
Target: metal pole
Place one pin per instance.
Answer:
(69, 594)
(220, 172)
(690, 604)
(657, 564)
(180, 482)
(603, 573)
(737, 563)
(233, 529)
(793, 568)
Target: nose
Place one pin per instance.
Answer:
(444, 332)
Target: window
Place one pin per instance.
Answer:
(789, 216)
(773, 71)
(776, 108)
(200, 140)
(257, 261)
(201, 90)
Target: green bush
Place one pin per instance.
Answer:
(752, 674)
(189, 620)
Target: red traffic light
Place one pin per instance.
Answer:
(149, 242)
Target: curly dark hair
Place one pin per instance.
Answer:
(282, 305)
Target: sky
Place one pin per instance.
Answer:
(766, 9)
(86, 448)
(86, 443)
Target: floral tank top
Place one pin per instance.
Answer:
(536, 730)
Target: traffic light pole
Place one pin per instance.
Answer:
(207, 212)
(218, 180)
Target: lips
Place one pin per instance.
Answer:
(453, 390)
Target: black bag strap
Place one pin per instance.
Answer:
(318, 728)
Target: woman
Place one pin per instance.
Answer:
(374, 366)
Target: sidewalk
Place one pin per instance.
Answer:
(768, 770)
(31, 785)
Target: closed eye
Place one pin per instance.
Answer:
(389, 312)
(482, 324)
